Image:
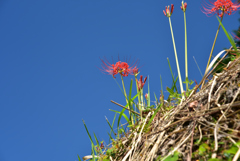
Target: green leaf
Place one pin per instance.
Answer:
(203, 148)
(214, 159)
(124, 115)
(170, 91)
(106, 159)
(238, 143)
(228, 36)
(172, 158)
(232, 150)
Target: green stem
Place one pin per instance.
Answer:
(138, 95)
(186, 57)
(179, 74)
(125, 94)
(210, 56)
(141, 99)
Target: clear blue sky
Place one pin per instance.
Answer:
(49, 50)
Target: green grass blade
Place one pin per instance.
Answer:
(119, 86)
(170, 91)
(119, 118)
(79, 159)
(123, 129)
(96, 138)
(111, 126)
(93, 147)
(123, 114)
(132, 116)
(130, 90)
(161, 85)
(97, 143)
(135, 96)
(148, 98)
(174, 85)
(229, 37)
(110, 137)
(93, 154)
(152, 117)
(156, 98)
(197, 66)
(132, 99)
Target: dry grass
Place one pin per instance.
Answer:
(201, 127)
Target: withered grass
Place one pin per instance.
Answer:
(212, 112)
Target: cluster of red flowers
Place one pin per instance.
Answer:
(220, 7)
(167, 11)
(140, 82)
(120, 67)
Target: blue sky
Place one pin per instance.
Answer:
(50, 51)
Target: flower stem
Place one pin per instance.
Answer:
(210, 56)
(125, 94)
(186, 57)
(139, 108)
(178, 69)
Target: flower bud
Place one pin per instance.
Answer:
(146, 96)
(184, 6)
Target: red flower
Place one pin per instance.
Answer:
(120, 67)
(168, 13)
(141, 83)
(220, 7)
(135, 70)
(184, 6)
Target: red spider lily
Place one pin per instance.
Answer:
(168, 13)
(220, 7)
(120, 67)
(184, 6)
(135, 70)
(140, 82)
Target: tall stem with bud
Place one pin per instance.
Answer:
(168, 14)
